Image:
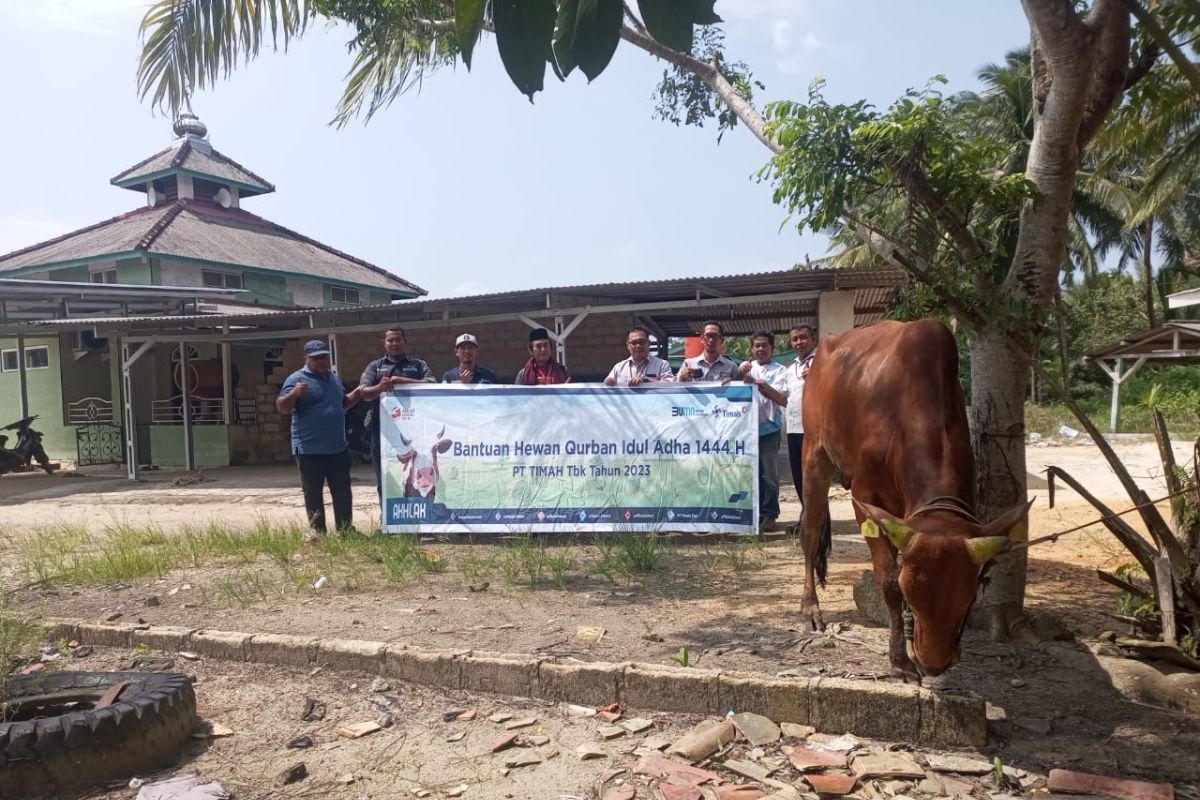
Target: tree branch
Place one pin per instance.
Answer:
(712, 77)
(918, 187)
(1109, 21)
(633, 19)
(1163, 39)
(1142, 66)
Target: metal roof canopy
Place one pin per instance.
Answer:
(677, 307)
(1171, 342)
(25, 304)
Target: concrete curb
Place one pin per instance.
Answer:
(891, 711)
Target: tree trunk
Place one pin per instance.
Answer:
(999, 377)
(1147, 272)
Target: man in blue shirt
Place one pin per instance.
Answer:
(380, 376)
(469, 370)
(317, 401)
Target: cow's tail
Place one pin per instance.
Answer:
(821, 563)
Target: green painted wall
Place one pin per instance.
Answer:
(134, 270)
(210, 443)
(269, 289)
(44, 389)
(77, 274)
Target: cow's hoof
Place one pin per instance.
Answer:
(811, 620)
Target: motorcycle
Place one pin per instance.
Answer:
(27, 448)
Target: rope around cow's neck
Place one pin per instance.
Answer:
(1053, 537)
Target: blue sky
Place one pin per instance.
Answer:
(466, 187)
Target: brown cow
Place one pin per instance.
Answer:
(883, 406)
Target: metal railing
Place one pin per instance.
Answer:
(205, 411)
(90, 411)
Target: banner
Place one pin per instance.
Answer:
(577, 457)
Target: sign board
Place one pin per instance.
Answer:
(577, 457)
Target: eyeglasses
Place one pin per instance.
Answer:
(710, 336)
(639, 342)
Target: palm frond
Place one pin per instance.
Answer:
(190, 44)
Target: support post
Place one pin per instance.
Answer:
(189, 458)
(1115, 415)
(22, 382)
(333, 354)
(227, 383)
(560, 339)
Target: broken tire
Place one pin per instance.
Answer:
(75, 745)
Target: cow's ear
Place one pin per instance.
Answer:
(1012, 524)
(877, 521)
(443, 445)
(406, 456)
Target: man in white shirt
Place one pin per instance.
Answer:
(804, 342)
(712, 364)
(640, 367)
(771, 378)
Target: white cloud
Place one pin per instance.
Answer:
(20, 232)
(75, 16)
(790, 24)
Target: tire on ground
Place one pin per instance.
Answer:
(145, 728)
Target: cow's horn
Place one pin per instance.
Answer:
(899, 533)
(983, 549)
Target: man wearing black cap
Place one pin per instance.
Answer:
(541, 368)
(317, 401)
(466, 348)
(380, 376)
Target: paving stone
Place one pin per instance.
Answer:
(523, 722)
(636, 725)
(1063, 780)
(747, 769)
(656, 742)
(960, 764)
(503, 743)
(887, 765)
(611, 731)
(538, 741)
(810, 758)
(522, 760)
(501, 716)
(757, 729)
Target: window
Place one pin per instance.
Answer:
(103, 276)
(35, 358)
(340, 294)
(221, 280)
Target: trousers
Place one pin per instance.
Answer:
(316, 470)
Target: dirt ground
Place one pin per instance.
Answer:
(732, 608)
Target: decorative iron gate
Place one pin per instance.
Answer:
(98, 436)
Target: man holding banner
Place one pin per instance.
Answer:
(640, 366)
(381, 376)
(771, 378)
(541, 369)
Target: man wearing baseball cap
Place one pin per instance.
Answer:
(317, 401)
(466, 347)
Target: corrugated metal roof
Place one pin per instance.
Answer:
(202, 160)
(202, 230)
(1171, 341)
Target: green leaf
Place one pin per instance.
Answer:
(468, 20)
(670, 21)
(564, 34)
(524, 29)
(703, 14)
(597, 34)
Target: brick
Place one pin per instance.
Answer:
(875, 710)
(167, 638)
(1064, 780)
(593, 684)
(665, 688)
(500, 674)
(779, 699)
(227, 645)
(279, 648)
(352, 655)
(427, 667)
(61, 629)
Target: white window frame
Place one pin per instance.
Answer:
(103, 275)
(357, 301)
(224, 279)
(29, 351)
(4, 366)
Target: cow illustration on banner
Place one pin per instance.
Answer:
(481, 458)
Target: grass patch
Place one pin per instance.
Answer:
(733, 555)
(625, 554)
